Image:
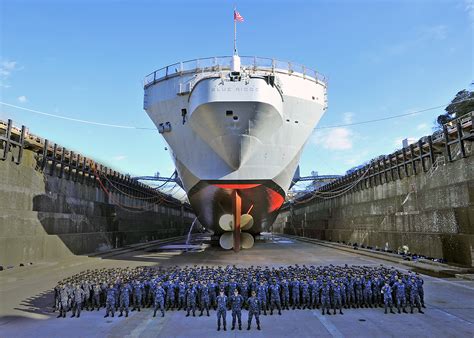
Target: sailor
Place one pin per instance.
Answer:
(103, 291)
(159, 300)
(419, 284)
(181, 295)
(244, 289)
(143, 296)
(110, 301)
(325, 297)
(191, 295)
(399, 287)
(342, 285)
(169, 288)
(314, 293)
(148, 287)
(236, 303)
(305, 299)
(212, 286)
(125, 298)
(137, 295)
(352, 294)
(204, 300)
(275, 298)
(63, 301)
(117, 293)
(221, 309)
(254, 310)
(96, 291)
(87, 287)
(368, 293)
(414, 296)
(387, 296)
(77, 298)
(337, 297)
(69, 290)
(377, 286)
(262, 296)
(295, 293)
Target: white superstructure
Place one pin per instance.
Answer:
(235, 124)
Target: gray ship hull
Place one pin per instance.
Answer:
(235, 130)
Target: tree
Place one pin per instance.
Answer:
(462, 104)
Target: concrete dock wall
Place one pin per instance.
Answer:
(431, 212)
(45, 217)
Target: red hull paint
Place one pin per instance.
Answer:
(212, 199)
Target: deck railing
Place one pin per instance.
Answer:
(249, 63)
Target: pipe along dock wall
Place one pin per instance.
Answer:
(422, 197)
(52, 204)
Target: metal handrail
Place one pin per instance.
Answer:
(217, 63)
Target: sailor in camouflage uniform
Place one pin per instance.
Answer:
(204, 301)
(419, 284)
(63, 301)
(295, 293)
(158, 300)
(110, 301)
(181, 295)
(236, 302)
(368, 293)
(213, 294)
(314, 293)
(191, 295)
(78, 295)
(305, 298)
(387, 297)
(275, 298)
(96, 291)
(325, 297)
(124, 298)
(136, 295)
(337, 297)
(262, 296)
(221, 310)
(399, 287)
(414, 296)
(254, 310)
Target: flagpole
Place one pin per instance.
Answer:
(235, 34)
(235, 63)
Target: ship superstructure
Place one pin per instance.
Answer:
(236, 127)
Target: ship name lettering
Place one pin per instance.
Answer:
(237, 89)
(221, 89)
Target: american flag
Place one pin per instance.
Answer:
(238, 17)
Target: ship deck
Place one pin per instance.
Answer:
(26, 298)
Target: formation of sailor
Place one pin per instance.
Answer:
(231, 288)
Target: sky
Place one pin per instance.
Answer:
(87, 60)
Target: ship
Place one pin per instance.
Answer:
(236, 127)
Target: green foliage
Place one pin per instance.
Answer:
(462, 104)
(457, 108)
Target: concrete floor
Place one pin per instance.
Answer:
(26, 296)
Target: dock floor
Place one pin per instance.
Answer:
(26, 298)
